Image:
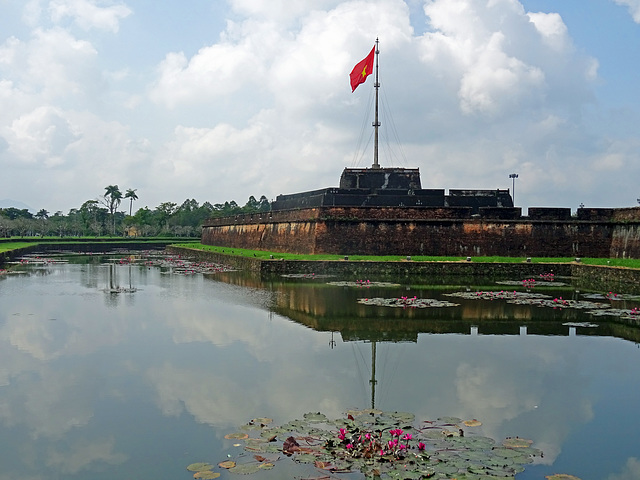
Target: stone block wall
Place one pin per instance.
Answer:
(432, 231)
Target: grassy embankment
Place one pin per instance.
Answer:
(11, 244)
(7, 245)
(613, 262)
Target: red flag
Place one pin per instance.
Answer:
(362, 70)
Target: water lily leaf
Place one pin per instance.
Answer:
(472, 423)
(561, 476)
(251, 427)
(446, 450)
(227, 464)
(366, 411)
(517, 442)
(262, 421)
(206, 475)
(257, 444)
(506, 452)
(316, 417)
(305, 458)
(446, 468)
(450, 420)
(199, 467)
(245, 469)
(402, 416)
(236, 436)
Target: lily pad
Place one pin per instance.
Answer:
(227, 464)
(404, 302)
(199, 467)
(561, 476)
(517, 442)
(316, 417)
(388, 445)
(236, 436)
(472, 423)
(206, 475)
(262, 421)
(450, 420)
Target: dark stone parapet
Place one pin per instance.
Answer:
(546, 213)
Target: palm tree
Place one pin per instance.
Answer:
(42, 214)
(131, 195)
(112, 198)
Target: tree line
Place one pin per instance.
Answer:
(102, 216)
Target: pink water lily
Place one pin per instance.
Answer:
(421, 446)
(408, 436)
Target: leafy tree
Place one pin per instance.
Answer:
(93, 216)
(12, 213)
(163, 212)
(265, 205)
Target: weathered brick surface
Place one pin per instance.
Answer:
(430, 231)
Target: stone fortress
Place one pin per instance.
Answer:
(385, 211)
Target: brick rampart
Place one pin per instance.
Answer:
(547, 232)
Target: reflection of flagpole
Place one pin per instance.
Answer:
(373, 380)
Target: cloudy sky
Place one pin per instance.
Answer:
(221, 99)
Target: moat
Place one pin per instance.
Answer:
(123, 366)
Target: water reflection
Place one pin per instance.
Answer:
(95, 388)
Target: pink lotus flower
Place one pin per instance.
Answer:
(421, 446)
(349, 446)
(408, 436)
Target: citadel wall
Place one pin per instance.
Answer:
(448, 231)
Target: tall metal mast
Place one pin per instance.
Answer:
(376, 123)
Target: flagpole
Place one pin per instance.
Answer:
(376, 123)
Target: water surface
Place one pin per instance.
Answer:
(138, 384)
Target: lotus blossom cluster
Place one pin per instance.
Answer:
(409, 302)
(547, 277)
(376, 444)
(560, 302)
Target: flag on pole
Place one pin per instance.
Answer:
(362, 70)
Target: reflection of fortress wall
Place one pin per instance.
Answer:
(454, 231)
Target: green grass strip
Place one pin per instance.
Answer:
(265, 255)
(7, 247)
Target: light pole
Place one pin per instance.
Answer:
(513, 177)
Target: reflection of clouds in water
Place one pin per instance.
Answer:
(631, 471)
(254, 373)
(49, 402)
(211, 398)
(513, 383)
(60, 327)
(84, 455)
